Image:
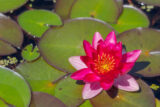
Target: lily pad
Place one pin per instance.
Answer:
(131, 18)
(36, 22)
(87, 103)
(65, 11)
(40, 75)
(106, 10)
(69, 92)
(157, 103)
(14, 89)
(147, 40)
(60, 43)
(119, 98)
(8, 5)
(151, 2)
(40, 99)
(29, 53)
(11, 35)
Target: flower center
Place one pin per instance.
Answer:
(104, 63)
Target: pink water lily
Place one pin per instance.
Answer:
(104, 66)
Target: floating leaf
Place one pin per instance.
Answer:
(147, 40)
(60, 43)
(40, 75)
(119, 98)
(40, 99)
(69, 92)
(3, 104)
(11, 35)
(8, 5)
(29, 53)
(151, 2)
(130, 18)
(157, 103)
(106, 10)
(14, 89)
(65, 11)
(87, 103)
(36, 22)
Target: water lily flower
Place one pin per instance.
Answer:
(104, 66)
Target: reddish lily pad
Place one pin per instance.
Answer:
(14, 90)
(40, 75)
(11, 35)
(147, 40)
(60, 43)
(65, 11)
(69, 92)
(131, 18)
(151, 2)
(40, 20)
(8, 5)
(119, 98)
(40, 99)
(106, 10)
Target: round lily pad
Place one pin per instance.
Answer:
(40, 99)
(36, 22)
(11, 36)
(146, 40)
(65, 11)
(69, 92)
(151, 2)
(40, 75)
(8, 5)
(130, 18)
(29, 53)
(87, 103)
(119, 98)
(60, 43)
(106, 10)
(14, 89)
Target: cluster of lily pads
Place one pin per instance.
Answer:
(43, 79)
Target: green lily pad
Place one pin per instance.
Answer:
(106, 10)
(151, 2)
(69, 92)
(119, 98)
(3, 104)
(147, 40)
(131, 18)
(11, 35)
(8, 5)
(40, 99)
(60, 43)
(14, 89)
(36, 22)
(65, 11)
(40, 75)
(29, 53)
(87, 103)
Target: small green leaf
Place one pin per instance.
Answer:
(87, 103)
(29, 53)
(36, 22)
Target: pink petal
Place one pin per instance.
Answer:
(105, 85)
(77, 62)
(88, 48)
(79, 75)
(126, 67)
(127, 83)
(111, 39)
(92, 77)
(90, 90)
(131, 56)
(97, 37)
